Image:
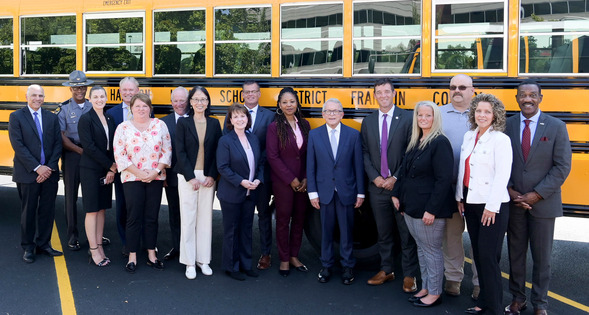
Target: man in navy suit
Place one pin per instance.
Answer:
(180, 105)
(35, 137)
(261, 118)
(541, 163)
(128, 87)
(335, 181)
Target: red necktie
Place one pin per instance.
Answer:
(526, 139)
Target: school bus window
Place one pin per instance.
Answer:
(179, 42)
(6, 46)
(243, 40)
(554, 37)
(48, 44)
(387, 37)
(114, 43)
(311, 39)
(470, 36)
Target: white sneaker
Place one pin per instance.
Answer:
(190, 272)
(206, 270)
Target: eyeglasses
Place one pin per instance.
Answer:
(460, 87)
(251, 92)
(198, 100)
(332, 112)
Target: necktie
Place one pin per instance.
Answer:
(384, 164)
(333, 143)
(526, 139)
(40, 131)
(252, 116)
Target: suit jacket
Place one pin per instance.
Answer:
(547, 166)
(26, 144)
(264, 118)
(93, 139)
(233, 166)
(117, 113)
(187, 147)
(490, 167)
(170, 121)
(286, 163)
(344, 173)
(425, 180)
(399, 134)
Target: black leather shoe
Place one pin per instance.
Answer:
(235, 275)
(420, 303)
(348, 276)
(324, 275)
(284, 273)
(251, 273)
(29, 257)
(173, 253)
(125, 251)
(474, 311)
(414, 298)
(157, 264)
(75, 246)
(49, 251)
(301, 268)
(131, 267)
(105, 241)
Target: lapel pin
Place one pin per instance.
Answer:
(396, 117)
(542, 124)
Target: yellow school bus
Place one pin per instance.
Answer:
(324, 49)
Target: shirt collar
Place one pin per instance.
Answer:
(534, 118)
(389, 113)
(451, 108)
(338, 128)
(255, 109)
(33, 111)
(125, 105)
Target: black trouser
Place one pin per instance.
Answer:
(174, 214)
(143, 206)
(265, 217)
(70, 166)
(37, 213)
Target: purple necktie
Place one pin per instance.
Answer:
(526, 140)
(384, 164)
(40, 131)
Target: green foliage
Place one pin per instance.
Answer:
(5, 31)
(455, 57)
(6, 61)
(49, 60)
(42, 28)
(240, 59)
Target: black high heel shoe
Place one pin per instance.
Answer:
(100, 245)
(103, 263)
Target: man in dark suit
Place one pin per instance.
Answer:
(261, 118)
(180, 105)
(36, 140)
(390, 126)
(335, 181)
(541, 163)
(69, 115)
(128, 87)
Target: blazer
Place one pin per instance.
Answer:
(233, 167)
(490, 168)
(117, 113)
(26, 144)
(344, 173)
(93, 139)
(170, 121)
(286, 163)
(547, 166)
(187, 147)
(425, 180)
(264, 118)
(399, 134)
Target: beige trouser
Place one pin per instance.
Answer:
(196, 221)
(454, 251)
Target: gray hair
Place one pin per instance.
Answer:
(180, 88)
(36, 86)
(129, 79)
(333, 100)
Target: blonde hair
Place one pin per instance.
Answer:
(416, 132)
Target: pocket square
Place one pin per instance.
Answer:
(544, 139)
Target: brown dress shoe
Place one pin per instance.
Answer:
(381, 277)
(409, 285)
(265, 262)
(540, 312)
(515, 307)
(452, 288)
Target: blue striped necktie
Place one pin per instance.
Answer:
(40, 131)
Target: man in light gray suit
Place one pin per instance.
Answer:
(541, 163)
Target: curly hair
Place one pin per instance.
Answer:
(282, 126)
(498, 111)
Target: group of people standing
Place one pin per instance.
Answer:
(428, 172)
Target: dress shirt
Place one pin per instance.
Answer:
(125, 111)
(455, 124)
(40, 124)
(253, 113)
(179, 116)
(533, 125)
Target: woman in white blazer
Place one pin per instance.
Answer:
(481, 192)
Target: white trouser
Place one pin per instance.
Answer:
(196, 220)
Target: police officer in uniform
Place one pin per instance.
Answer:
(69, 114)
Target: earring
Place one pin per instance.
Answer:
(279, 111)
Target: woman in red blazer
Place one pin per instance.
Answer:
(286, 149)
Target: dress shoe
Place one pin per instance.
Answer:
(235, 275)
(125, 251)
(452, 288)
(324, 275)
(205, 269)
(409, 285)
(302, 268)
(75, 246)
(251, 273)
(475, 292)
(264, 262)
(157, 264)
(474, 311)
(29, 257)
(419, 303)
(381, 277)
(284, 273)
(105, 241)
(190, 272)
(348, 276)
(540, 312)
(414, 298)
(173, 253)
(131, 267)
(49, 251)
(515, 307)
